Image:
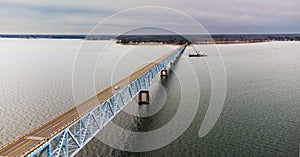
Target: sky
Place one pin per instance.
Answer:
(119, 16)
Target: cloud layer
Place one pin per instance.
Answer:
(217, 16)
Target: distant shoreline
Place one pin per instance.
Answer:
(168, 39)
(204, 43)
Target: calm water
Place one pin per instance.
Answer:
(36, 77)
(260, 116)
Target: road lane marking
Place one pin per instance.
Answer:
(35, 138)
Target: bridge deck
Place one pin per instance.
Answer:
(30, 141)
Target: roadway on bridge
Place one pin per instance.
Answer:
(30, 141)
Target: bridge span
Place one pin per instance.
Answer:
(67, 133)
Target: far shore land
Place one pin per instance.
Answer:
(204, 39)
(169, 39)
(197, 43)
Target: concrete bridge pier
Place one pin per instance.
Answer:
(144, 97)
(164, 73)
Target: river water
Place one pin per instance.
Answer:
(260, 115)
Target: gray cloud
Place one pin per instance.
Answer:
(218, 16)
(245, 15)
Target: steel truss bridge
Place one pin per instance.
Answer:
(66, 134)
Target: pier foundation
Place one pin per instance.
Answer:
(144, 97)
(164, 73)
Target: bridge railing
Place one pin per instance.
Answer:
(72, 139)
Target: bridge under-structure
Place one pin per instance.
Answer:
(67, 133)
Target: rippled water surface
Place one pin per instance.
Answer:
(260, 116)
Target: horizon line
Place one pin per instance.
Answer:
(82, 34)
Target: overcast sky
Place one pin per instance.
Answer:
(217, 16)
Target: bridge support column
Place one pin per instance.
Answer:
(144, 97)
(172, 62)
(164, 73)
